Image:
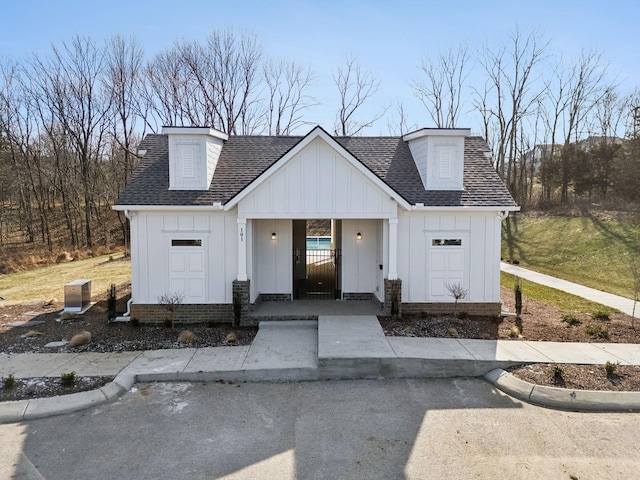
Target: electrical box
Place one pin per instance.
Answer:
(77, 295)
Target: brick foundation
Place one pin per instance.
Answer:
(369, 297)
(470, 308)
(273, 297)
(186, 313)
(393, 297)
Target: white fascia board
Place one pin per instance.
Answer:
(419, 208)
(312, 135)
(212, 132)
(216, 207)
(437, 132)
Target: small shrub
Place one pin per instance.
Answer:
(571, 319)
(171, 302)
(600, 315)
(515, 262)
(111, 303)
(237, 309)
(517, 291)
(611, 368)
(514, 332)
(211, 323)
(68, 379)
(167, 323)
(462, 315)
(596, 331)
(9, 382)
(134, 322)
(557, 371)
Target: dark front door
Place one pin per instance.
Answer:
(316, 266)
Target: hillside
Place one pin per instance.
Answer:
(596, 250)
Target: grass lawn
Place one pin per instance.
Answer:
(551, 296)
(586, 250)
(44, 284)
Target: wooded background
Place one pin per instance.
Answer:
(561, 130)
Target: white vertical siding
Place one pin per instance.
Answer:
(151, 235)
(480, 232)
(360, 257)
(317, 183)
(273, 269)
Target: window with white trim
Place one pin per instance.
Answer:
(446, 242)
(186, 242)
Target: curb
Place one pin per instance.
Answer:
(17, 411)
(563, 398)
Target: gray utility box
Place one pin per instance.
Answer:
(77, 295)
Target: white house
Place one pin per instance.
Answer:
(224, 219)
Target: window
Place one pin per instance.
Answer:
(186, 243)
(446, 242)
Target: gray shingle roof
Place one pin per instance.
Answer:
(244, 158)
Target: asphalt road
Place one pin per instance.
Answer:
(416, 429)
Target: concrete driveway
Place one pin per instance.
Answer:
(360, 429)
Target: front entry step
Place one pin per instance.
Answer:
(351, 346)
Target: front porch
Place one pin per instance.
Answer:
(311, 309)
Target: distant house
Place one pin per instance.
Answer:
(593, 141)
(221, 218)
(540, 152)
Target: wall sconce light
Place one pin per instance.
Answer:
(358, 236)
(274, 236)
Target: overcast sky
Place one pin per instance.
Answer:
(389, 38)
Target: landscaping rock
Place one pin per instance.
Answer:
(187, 336)
(81, 338)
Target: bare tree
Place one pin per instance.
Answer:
(510, 96)
(399, 126)
(458, 292)
(355, 87)
(585, 89)
(171, 303)
(123, 84)
(226, 71)
(287, 86)
(441, 91)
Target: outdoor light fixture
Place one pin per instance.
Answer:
(273, 236)
(359, 236)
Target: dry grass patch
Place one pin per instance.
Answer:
(48, 283)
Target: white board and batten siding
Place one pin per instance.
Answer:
(440, 249)
(361, 257)
(318, 182)
(272, 258)
(194, 254)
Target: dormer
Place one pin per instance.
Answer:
(193, 156)
(439, 156)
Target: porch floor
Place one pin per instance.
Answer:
(313, 308)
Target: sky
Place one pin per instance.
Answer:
(388, 38)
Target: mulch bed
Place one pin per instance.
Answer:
(40, 387)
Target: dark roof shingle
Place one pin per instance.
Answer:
(244, 158)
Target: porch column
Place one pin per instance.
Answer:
(393, 249)
(242, 249)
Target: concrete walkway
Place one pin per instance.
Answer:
(623, 304)
(334, 347)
